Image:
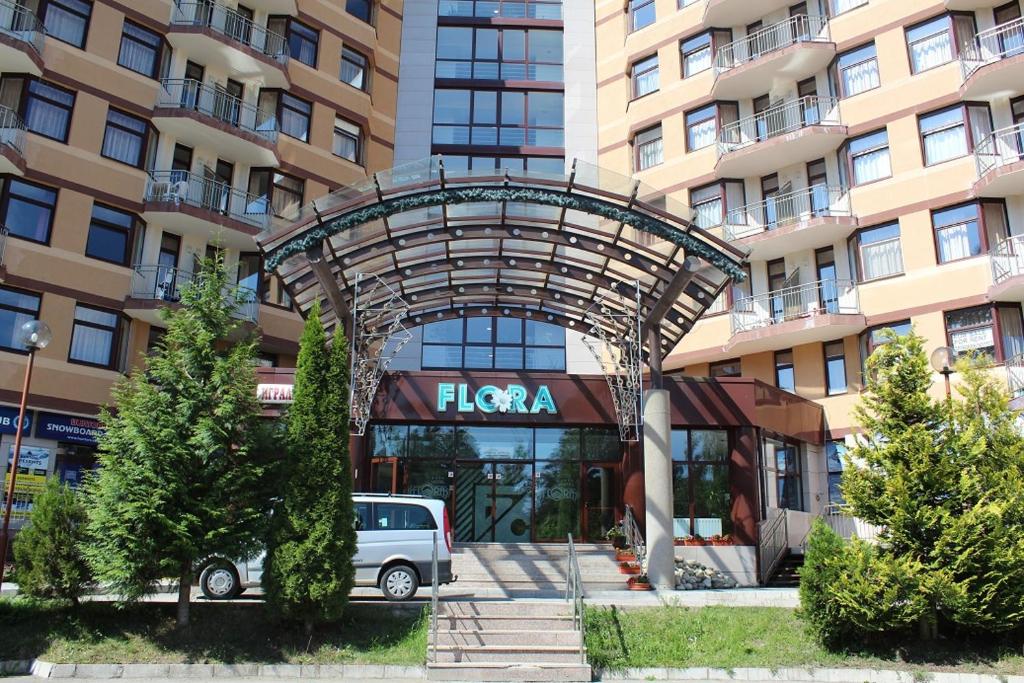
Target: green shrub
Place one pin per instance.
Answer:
(47, 557)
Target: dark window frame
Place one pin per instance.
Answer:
(828, 358)
(359, 139)
(117, 343)
(634, 6)
(303, 39)
(525, 126)
(148, 136)
(782, 365)
(637, 146)
(370, 10)
(854, 246)
(73, 11)
(723, 363)
(847, 158)
(282, 105)
(5, 198)
(634, 75)
(950, 30)
(965, 123)
(691, 464)
(996, 325)
(160, 48)
(132, 234)
(365, 67)
(836, 72)
(982, 226)
(494, 345)
(35, 314)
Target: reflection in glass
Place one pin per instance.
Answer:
(557, 491)
(496, 442)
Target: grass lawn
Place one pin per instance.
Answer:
(769, 637)
(228, 633)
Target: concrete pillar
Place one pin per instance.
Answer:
(658, 485)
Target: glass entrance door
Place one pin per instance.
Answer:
(493, 502)
(599, 501)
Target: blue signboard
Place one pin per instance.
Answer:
(9, 418)
(69, 428)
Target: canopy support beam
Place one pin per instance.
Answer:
(315, 256)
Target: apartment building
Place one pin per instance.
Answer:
(866, 152)
(137, 137)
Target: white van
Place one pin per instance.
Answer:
(395, 542)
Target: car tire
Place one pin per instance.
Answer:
(399, 583)
(219, 581)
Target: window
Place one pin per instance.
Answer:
(510, 54)
(878, 336)
(641, 13)
(94, 337)
(835, 452)
(513, 9)
(274, 192)
(125, 138)
(17, 307)
(493, 343)
(835, 368)
(936, 41)
(399, 517)
(28, 210)
(302, 42)
(839, 6)
(112, 234)
(649, 150)
(645, 76)
(696, 54)
(702, 500)
(968, 230)
(348, 140)
(856, 71)
(67, 20)
(994, 332)
(508, 118)
(360, 9)
(46, 108)
(354, 69)
(141, 50)
(718, 203)
(785, 375)
(784, 458)
(725, 368)
(943, 135)
(877, 252)
(294, 116)
(460, 163)
(866, 158)
(701, 126)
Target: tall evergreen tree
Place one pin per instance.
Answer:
(181, 476)
(309, 573)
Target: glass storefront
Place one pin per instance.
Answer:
(505, 484)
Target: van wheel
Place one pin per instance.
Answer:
(399, 583)
(219, 581)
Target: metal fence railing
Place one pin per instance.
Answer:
(12, 130)
(182, 187)
(781, 210)
(772, 542)
(634, 538)
(800, 28)
(574, 594)
(1015, 376)
(209, 100)
(1007, 259)
(991, 46)
(20, 22)
(1003, 147)
(164, 283)
(229, 23)
(839, 519)
(779, 119)
(793, 303)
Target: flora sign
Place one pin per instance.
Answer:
(491, 399)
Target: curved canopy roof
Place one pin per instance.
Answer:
(517, 243)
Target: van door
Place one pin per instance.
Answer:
(407, 533)
(366, 571)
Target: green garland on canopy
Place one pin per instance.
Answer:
(465, 195)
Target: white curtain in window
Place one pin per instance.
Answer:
(860, 77)
(955, 242)
(46, 119)
(702, 134)
(122, 145)
(136, 56)
(882, 259)
(840, 6)
(1013, 332)
(650, 154)
(931, 51)
(63, 25)
(871, 166)
(945, 144)
(646, 83)
(698, 61)
(91, 345)
(708, 214)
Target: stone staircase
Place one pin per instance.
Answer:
(507, 640)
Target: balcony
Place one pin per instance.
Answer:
(801, 130)
(21, 40)
(237, 129)
(156, 287)
(227, 41)
(801, 314)
(12, 142)
(187, 203)
(993, 65)
(1007, 260)
(1000, 161)
(725, 13)
(791, 50)
(810, 218)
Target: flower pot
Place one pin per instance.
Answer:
(634, 585)
(721, 542)
(625, 556)
(625, 568)
(619, 542)
(695, 541)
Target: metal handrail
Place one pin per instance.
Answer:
(800, 28)
(634, 538)
(182, 187)
(21, 23)
(12, 130)
(229, 23)
(837, 516)
(574, 593)
(780, 119)
(434, 590)
(992, 45)
(772, 543)
(784, 209)
(1001, 148)
(192, 95)
(166, 283)
(1007, 259)
(1015, 375)
(837, 297)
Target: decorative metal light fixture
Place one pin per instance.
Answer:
(943, 359)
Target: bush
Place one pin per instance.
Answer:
(47, 557)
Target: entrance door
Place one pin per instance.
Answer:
(599, 500)
(494, 502)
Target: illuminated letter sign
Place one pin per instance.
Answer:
(490, 399)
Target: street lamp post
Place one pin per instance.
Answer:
(35, 335)
(943, 359)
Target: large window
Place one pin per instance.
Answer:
(645, 76)
(877, 252)
(509, 54)
(360, 9)
(489, 117)
(348, 140)
(125, 138)
(67, 20)
(701, 128)
(718, 203)
(952, 133)
(649, 148)
(141, 50)
(725, 368)
(274, 192)
(294, 116)
(701, 501)
(785, 373)
(835, 452)
(512, 9)
(968, 229)
(46, 108)
(641, 13)
(28, 210)
(95, 337)
(303, 42)
(112, 234)
(17, 307)
(462, 163)
(354, 68)
(835, 368)
(783, 458)
(696, 54)
(994, 332)
(856, 71)
(865, 159)
(493, 343)
(936, 41)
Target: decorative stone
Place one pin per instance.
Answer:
(692, 575)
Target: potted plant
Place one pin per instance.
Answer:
(640, 582)
(693, 540)
(617, 537)
(630, 568)
(625, 555)
(720, 539)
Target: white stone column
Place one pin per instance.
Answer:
(658, 486)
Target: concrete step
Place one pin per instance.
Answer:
(503, 623)
(549, 549)
(512, 654)
(473, 671)
(509, 637)
(505, 608)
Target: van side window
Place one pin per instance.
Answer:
(362, 520)
(398, 517)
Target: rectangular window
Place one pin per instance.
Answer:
(930, 44)
(725, 368)
(141, 50)
(303, 42)
(124, 138)
(294, 116)
(957, 232)
(645, 76)
(702, 500)
(835, 452)
(642, 13)
(274, 192)
(649, 149)
(943, 135)
(28, 210)
(972, 330)
(354, 69)
(835, 368)
(111, 235)
(857, 71)
(510, 54)
(47, 108)
(67, 20)
(868, 157)
(878, 336)
(784, 457)
(507, 118)
(360, 9)
(878, 252)
(696, 54)
(701, 127)
(785, 375)
(94, 337)
(348, 140)
(17, 307)
(493, 343)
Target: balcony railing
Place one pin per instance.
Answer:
(12, 130)
(778, 120)
(21, 23)
(995, 44)
(839, 519)
(1015, 376)
(229, 23)
(164, 283)
(181, 187)
(797, 29)
(1008, 259)
(793, 303)
(817, 201)
(1003, 147)
(187, 94)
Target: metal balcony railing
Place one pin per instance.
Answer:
(187, 94)
(1015, 376)
(229, 23)
(817, 201)
(1008, 259)
(995, 44)
(800, 28)
(12, 130)
(163, 283)
(195, 190)
(839, 519)
(1003, 147)
(778, 120)
(793, 303)
(21, 23)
